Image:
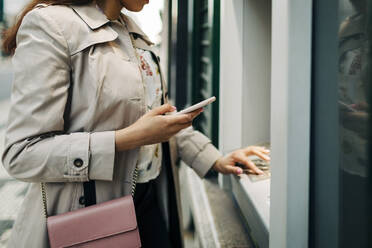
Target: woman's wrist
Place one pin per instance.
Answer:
(127, 138)
(216, 164)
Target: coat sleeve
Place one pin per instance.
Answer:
(196, 150)
(36, 148)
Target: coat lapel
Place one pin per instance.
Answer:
(97, 20)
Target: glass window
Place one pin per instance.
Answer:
(341, 95)
(353, 101)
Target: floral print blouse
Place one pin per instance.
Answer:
(149, 162)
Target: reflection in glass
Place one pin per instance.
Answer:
(354, 105)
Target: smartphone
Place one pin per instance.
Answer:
(197, 106)
(346, 107)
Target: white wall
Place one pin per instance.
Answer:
(231, 76)
(290, 123)
(245, 73)
(256, 71)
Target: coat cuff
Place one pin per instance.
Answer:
(205, 159)
(102, 160)
(77, 157)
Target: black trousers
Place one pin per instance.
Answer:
(354, 211)
(151, 224)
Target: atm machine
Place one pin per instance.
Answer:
(266, 69)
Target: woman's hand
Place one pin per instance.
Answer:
(226, 164)
(153, 127)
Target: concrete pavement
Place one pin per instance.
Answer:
(6, 77)
(12, 192)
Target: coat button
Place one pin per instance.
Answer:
(82, 200)
(78, 162)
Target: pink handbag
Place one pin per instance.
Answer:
(110, 224)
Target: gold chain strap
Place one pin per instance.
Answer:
(135, 173)
(43, 194)
(134, 183)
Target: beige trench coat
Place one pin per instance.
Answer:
(66, 54)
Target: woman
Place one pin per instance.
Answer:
(87, 105)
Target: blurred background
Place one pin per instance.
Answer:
(11, 191)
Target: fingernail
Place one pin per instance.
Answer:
(174, 108)
(239, 171)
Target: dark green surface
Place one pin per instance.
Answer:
(193, 69)
(205, 62)
(178, 87)
(170, 50)
(324, 171)
(1, 10)
(5, 225)
(369, 183)
(340, 200)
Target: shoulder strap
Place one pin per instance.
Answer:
(90, 193)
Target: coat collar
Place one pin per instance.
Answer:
(135, 29)
(95, 19)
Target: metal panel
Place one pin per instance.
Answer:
(324, 208)
(290, 123)
(1, 10)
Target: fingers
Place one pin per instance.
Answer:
(230, 169)
(183, 118)
(265, 151)
(165, 108)
(254, 150)
(261, 155)
(252, 166)
(249, 171)
(175, 129)
(195, 113)
(179, 119)
(261, 149)
(180, 124)
(242, 159)
(179, 127)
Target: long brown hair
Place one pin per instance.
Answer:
(9, 36)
